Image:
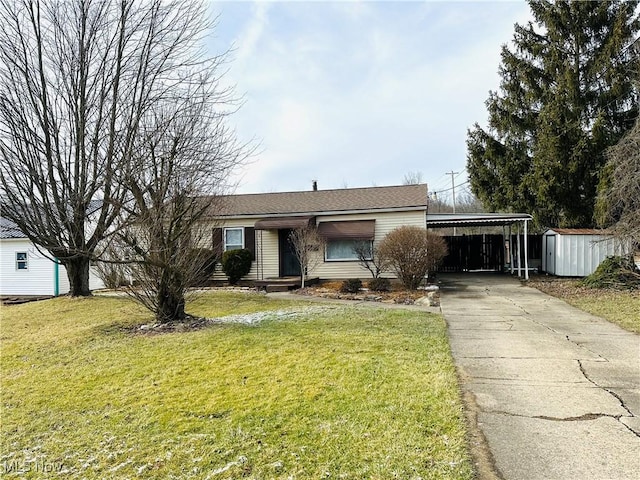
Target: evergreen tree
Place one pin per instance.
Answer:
(566, 95)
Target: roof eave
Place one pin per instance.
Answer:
(416, 208)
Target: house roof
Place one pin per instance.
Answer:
(578, 231)
(8, 229)
(403, 197)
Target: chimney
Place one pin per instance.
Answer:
(315, 185)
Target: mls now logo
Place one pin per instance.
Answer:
(37, 466)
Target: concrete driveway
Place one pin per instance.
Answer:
(555, 391)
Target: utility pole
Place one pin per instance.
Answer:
(453, 190)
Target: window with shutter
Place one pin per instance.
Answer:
(233, 238)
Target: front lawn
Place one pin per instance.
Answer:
(336, 392)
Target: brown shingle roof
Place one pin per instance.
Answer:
(346, 199)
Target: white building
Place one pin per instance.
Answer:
(26, 271)
(577, 252)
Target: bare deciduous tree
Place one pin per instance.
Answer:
(308, 247)
(412, 178)
(619, 201)
(77, 78)
(369, 257)
(183, 159)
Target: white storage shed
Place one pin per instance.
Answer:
(577, 252)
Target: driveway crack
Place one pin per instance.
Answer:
(581, 418)
(613, 394)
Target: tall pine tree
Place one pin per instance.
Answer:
(566, 95)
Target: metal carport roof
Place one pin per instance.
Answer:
(446, 220)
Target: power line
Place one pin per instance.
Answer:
(443, 190)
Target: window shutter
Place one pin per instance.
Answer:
(217, 244)
(250, 241)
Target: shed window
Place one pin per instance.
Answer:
(341, 250)
(233, 238)
(22, 261)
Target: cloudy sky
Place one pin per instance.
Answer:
(359, 93)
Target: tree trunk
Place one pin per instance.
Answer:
(170, 300)
(78, 273)
(170, 309)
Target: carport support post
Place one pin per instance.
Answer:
(526, 253)
(519, 255)
(504, 249)
(510, 250)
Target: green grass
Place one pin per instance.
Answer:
(620, 307)
(334, 393)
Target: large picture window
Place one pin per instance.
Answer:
(233, 238)
(346, 249)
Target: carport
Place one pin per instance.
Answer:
(504, 220)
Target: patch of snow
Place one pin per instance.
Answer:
(430, 288)
(257, 317)
(118, 467)
(241, 460)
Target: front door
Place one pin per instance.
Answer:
(289, 264)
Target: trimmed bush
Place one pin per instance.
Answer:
(353, 285)
(236, 264)
(413, 252)
(380, 285)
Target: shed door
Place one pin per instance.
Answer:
(551, 254)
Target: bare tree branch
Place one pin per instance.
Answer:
(79, 79)
(619, 201)
(184, 157)
(412, 178)
(308, 247)
(369, 257)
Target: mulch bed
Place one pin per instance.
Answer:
(332, 290)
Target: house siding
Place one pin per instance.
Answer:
(267, 251)
(267, 263)
(385, 223)
(255, 272)
(36, 280)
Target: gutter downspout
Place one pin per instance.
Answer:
(56, 277)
